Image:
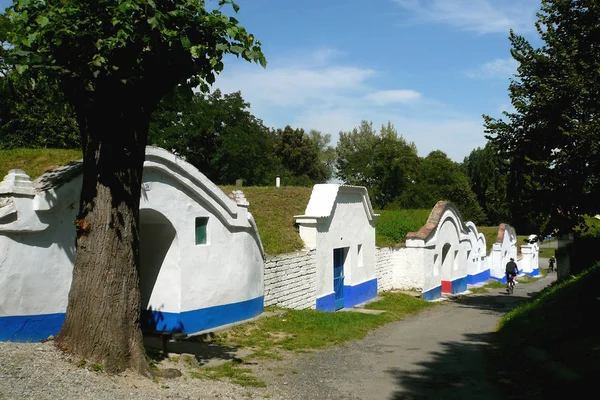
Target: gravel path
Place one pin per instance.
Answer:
(39, 371)
(436, 354)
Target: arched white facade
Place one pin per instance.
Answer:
(477, 269)
(503, 250)
(440, 252)
(201, 257)
(339, 223)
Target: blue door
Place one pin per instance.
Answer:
(338, 277)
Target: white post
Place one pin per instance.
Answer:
(277, 181)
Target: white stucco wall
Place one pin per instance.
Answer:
(227, 269)
(37, 245)
(437, 255)
(340, 216)
(476, 250)
(503, 250)
(529, 262)
(37, 253)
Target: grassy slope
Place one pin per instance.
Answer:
(273, 210)
(392, 226)
(554, 338)
(35, 161)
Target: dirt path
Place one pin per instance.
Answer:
(437, 354)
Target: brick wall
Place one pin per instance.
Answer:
(290, 280)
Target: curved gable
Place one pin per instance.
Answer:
(61, 187)
(502, 231)
(195, 183)
(324, 197)
(441, 212)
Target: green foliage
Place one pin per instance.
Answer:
(303, 157)
(440, 178)
(217, 134)
(588, 228)
(34, 113)
(487, 171)
(127, 40)
(393, 225)
(385, 163)
(551, 139)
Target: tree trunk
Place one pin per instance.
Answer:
(102, 323)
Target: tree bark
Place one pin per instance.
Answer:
(102, 323)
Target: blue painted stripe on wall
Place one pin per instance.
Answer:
(535, 272)
(37, 327)
(205, 318)
(478, 278)
(30, 328)
(432, 294)
(326, 303)
(360, 293)
(459, 285)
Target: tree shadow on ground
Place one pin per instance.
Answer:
(472, 368)
(496, 300)
(160, 345)
(460, 371)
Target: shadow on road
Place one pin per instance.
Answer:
(454, 373)
(466, 369)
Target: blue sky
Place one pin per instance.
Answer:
(431, 67)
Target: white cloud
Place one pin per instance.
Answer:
(333, 98)
(385, 97)
(294, 86)
(481, 16)
(496, 69)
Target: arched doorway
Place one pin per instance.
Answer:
(446, 268)
(160, 279)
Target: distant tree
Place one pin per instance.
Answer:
(355, 155)
(115, 60)
(487, 171)
(440, 178)
(326, 152)
(385, 163)
(217, 134)
(551, 140)
(299, 157)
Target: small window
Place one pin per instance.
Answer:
(201, 223)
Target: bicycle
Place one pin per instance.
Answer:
(510, 285)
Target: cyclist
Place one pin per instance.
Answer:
(511, 271)
(551, 263)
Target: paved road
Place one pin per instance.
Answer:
(437, 354)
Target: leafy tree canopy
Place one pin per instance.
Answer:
(217, 134)
(552, 138)
(385, 163)
(487, 171)
(440, 178)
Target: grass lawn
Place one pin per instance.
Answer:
(393, 225)
(35, 161)
(303, 331)
(554, 339)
